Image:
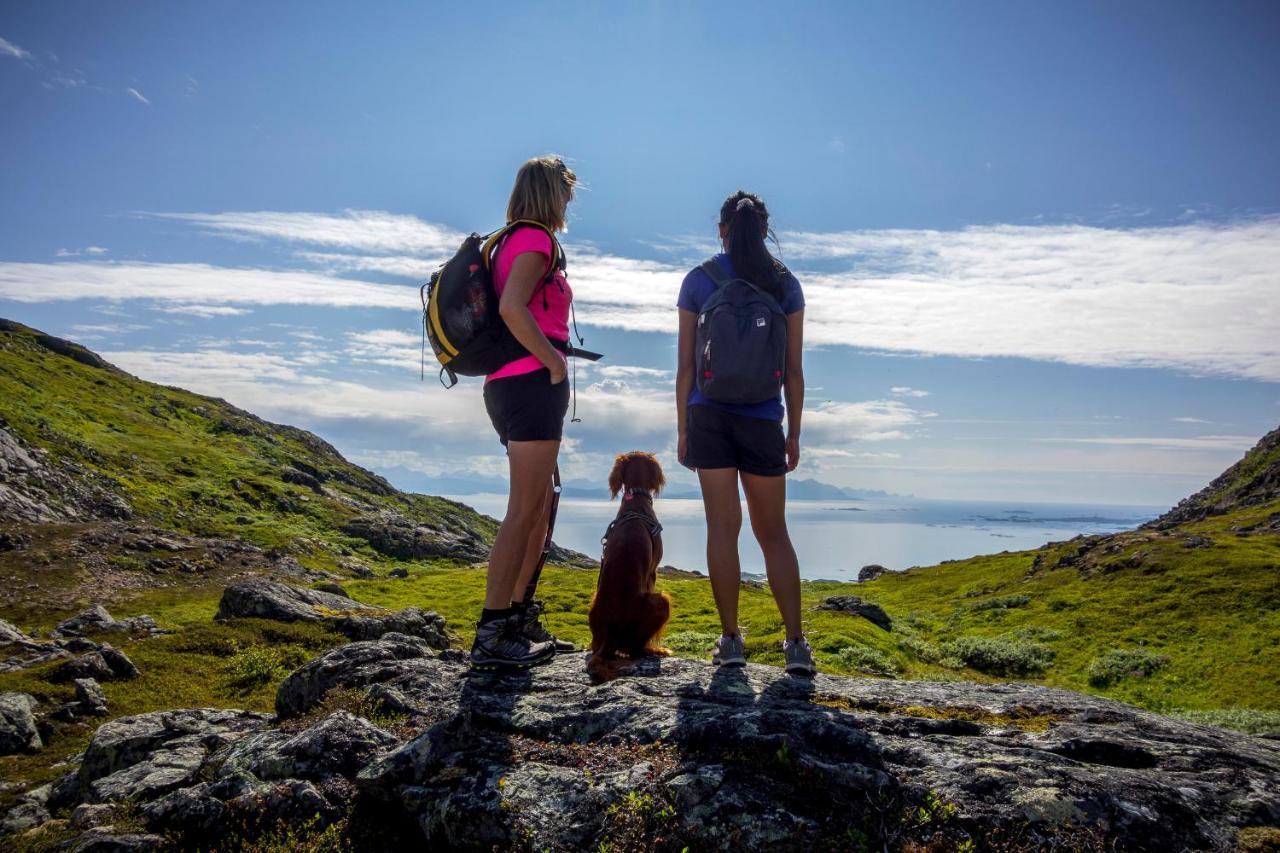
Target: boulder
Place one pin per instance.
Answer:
(267, 599)
(333, 589)
(90, 696)
(873, 613)
(871, 572)
(394, 535)
(30, 810)
(677, 753)
(107, 663)
(96, 618)
(18, 732)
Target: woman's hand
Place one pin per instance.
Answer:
(559, 372)
(682, 447)
(793, 452)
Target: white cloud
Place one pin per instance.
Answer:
(390, 347)
(203, 310)
(95, 250)
(12, 51)
(198, 284)
(1191, 421)
(1199, 442)
(839, 424)
(904, 391)
(358, 230)
(138, 95)
(1195, 298)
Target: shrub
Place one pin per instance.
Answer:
(1247, 720)
(257, 665)
(690, 641)
(1000, 655)
(867, 660)
(1124, 663)
(1037, 634)
(911, 642)
(1002, 602)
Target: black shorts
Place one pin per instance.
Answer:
(527, 407)
(720, 439)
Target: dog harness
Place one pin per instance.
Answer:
(652, 524)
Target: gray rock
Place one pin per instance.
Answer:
(338, 745)
(90, 696)
(261, 598)
(355, 664)
(129, 744)
(396, 536)
(10, 633)
(96, 618)
(90, 815)
(871, 572)
(18, 732)
(333, 588)
(106, 840)
(35, 487)
(398, 572)
(107, 663)
(873, 613)
(267, 599)
(30, 810)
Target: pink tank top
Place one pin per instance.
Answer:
(550, 303)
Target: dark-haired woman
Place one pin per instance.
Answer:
(526, 400)
(728, 442)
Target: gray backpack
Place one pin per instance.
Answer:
(741, 341)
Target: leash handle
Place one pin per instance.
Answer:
(546, 543)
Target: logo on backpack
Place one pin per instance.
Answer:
(747, 367)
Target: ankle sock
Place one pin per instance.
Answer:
(487, 615)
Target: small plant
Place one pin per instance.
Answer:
(1039, 635)
(1000, 655)
(257, 665)
(1002, 602)
(867, 660)
(690, 642)
(1120, 664)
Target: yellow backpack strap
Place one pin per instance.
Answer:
(493, 240)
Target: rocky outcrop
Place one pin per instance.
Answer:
(1253, 481)
(870, 572)
(36, 487)
(97, 620)
(18, 732)
(105, 663)
(873, 613)
(266, 599)
(396, 536)
(678, 754)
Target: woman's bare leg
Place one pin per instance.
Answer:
(724, 523)
(531, 464)
(767, 504)
(533, 548)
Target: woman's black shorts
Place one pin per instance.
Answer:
(720, 439)
(527, 407)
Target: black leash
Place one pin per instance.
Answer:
(546, 543)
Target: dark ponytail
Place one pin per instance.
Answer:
(748, 221)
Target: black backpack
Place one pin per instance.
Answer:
(460, 309)
(741, 341)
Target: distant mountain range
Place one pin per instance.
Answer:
(798, 489)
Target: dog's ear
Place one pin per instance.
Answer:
(645, 473)
(615, 476)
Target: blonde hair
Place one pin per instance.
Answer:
(543, 190)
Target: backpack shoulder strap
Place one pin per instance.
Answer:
(494, 240)
(714, 271)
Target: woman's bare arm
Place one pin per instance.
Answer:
(793, 384)
(684, 376)
(527, 273)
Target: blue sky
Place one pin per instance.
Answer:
(1040, 243)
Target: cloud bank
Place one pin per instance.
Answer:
(1196, 298)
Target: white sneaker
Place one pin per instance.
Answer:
(730, 651)
(799, 657)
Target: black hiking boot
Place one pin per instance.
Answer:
(536, 632)
(501, 644)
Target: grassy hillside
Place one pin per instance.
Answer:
(1182, 616)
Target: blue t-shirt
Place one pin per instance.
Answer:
(694, 293)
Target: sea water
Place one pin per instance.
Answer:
(834, 539)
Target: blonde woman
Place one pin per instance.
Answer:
(526, 400)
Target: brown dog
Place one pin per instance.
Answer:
(627, 614)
